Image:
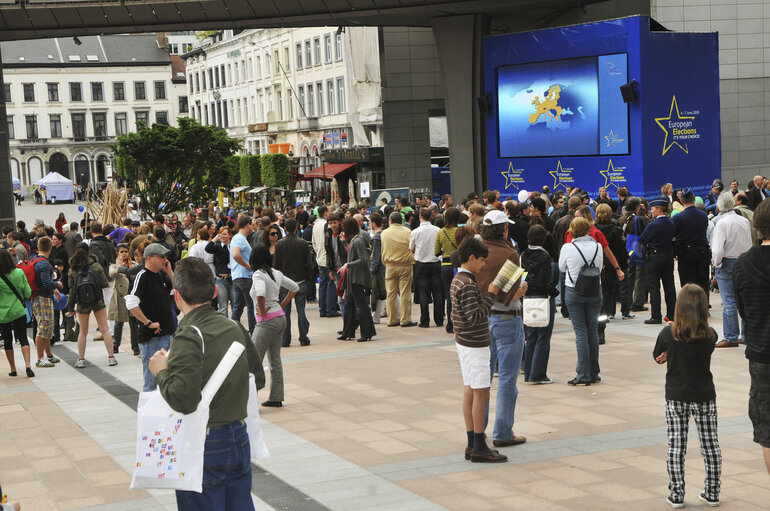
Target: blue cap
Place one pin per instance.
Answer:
(660, 202)
(688, 195)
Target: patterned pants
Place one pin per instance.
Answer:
(677, 421)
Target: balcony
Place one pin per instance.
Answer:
(33, 141)
(308, 123)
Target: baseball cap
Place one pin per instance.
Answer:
(155, 249)
(495, 217)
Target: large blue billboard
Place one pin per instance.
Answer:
(559, 117)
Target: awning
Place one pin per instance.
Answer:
(239, 189)
(262, 188)
(257, 189)
(328, 171)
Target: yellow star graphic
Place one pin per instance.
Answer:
(606, 173)
(674, 108)
(555, 176)
(509, 175)
(611, 138)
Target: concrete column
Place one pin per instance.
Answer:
(7, 205)
(458, 46)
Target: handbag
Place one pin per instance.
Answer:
(254, 424)
(71, 334)
(536, 311)
(633, 247)
(170, 445)
(26, 303)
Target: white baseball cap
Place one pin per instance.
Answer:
(495, 217)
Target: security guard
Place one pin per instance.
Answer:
(692, 247)
(657, 240)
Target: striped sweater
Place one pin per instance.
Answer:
(470, 311)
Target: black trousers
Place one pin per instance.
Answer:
(358, 313)
(447, 275)
(694, 267)
(660, 269)
(428, 283)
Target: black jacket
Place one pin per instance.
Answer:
(104, 251)
(751, 280)
(221, 256)
(329, 239)
(292, 258)
(755, 197)
(614, 237)
(537, 262)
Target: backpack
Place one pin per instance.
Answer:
(87, 289)
(588, 283)
(28, 267)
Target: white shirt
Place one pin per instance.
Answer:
(263, 285)
(571, 262)
(319, 241)
(422, 241)
(731, 238)
(199, 250)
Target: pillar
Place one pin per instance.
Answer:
(7, 206)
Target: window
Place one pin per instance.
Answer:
(76, 91)
(279, 97)
(121, 123)
(55, 125)
(29, 92)
(308, 54)
(276, 63)
(183, 105)
(161, 118)
(330, 97)
(290, 103)
(198, 82)
(139, 91)
(337, 46)
(11, 132)
(211, 78)
(299, 55)
(97, 91)
(142, 117)
(119, 91)
(53, 91)
(79, 126)
(301, 100)
(319, 88)
(7, 92)
(259, 66)
(236, 75)
(203, 79)
(100, 124)
(340, 95)
(160, 90)
(222, 74)
(310, 101)
(31, 126)
(328, 48)
(317, 50)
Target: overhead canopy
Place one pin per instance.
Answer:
(328, 171)
(15, 183)
(239, 189)
(58, 187)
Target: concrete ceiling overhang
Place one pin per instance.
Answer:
(34, 19)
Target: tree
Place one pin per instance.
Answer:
(250, 170)
(276, 170)
(169, 167)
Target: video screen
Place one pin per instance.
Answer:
(563, 107)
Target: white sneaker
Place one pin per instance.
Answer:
(44, 362)
(111, 361)
(81, 363)
(53, 359)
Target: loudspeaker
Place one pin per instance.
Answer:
(628, 92)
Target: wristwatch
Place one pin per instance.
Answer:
(148, 323)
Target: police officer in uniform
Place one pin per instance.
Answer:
(692, 247)
(657, 240)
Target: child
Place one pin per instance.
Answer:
(470, 319)
(686, 346)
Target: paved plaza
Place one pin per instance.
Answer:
(378, 426)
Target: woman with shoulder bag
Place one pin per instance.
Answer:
(610, 282)
(14, 289)
(536, 261)
(445, 245)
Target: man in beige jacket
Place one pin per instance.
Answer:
(398, 260)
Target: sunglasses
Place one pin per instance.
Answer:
(274, 233)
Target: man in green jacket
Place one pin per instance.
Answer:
(181, 374)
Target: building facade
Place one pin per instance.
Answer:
(68, 99)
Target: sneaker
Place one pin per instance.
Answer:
(80, 364)
(111, 361)
(709, 502)
(43, 362)
(674, 502)
(545, 381)
(578, 383)
(54, 359)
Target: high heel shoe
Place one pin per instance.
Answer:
(365, 339)
(344, 338)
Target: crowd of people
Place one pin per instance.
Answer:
(366, 264)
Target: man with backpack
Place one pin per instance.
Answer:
(39, 272)
(105, 252)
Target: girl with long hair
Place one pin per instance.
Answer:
(270, 237)
(685, 346)
(358, 285)
(14, 289)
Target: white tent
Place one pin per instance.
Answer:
(16, 183)
(58, 186)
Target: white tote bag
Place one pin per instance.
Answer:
(169, 444)
(254, 424)
(537, 312)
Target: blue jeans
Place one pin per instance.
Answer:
(226, 472)
(538, 349)
(584, 313)
(304, 324)
(327, 293)
(506, 346)
(730, 325)
(241, 288)
(147, 349)
(225, 294)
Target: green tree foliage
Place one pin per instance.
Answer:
(250, 170)
(276, 170)
(168, 167)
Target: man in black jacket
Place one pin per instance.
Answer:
(751, 279)
(292, 258)
(757, 194)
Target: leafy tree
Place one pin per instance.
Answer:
(168, 167)
(276, 170)
(250, 170)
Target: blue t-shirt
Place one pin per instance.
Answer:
(119, 233)
(236, 270)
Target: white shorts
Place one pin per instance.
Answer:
(474, 364)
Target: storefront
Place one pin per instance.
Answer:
(350, 170)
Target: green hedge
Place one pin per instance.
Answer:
(250, 170)
(276, 170)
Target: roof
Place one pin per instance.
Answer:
(178, 73)
(108, 50)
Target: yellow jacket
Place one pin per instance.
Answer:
(395, 246)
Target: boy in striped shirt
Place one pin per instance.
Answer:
(470, 318)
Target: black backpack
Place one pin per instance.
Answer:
(87, 289)
(588, 283)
